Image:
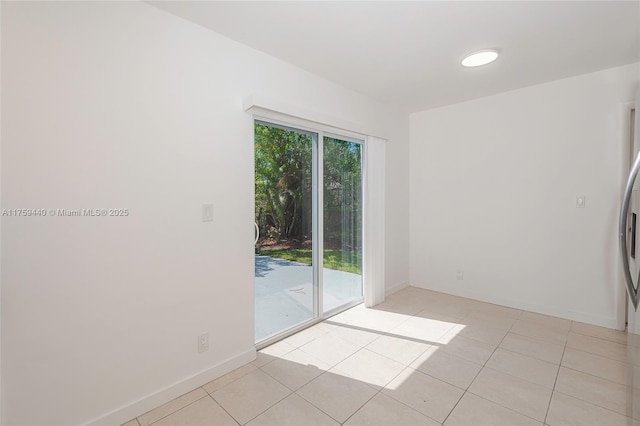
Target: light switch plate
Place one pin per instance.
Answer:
(207, 212)
(581, 200)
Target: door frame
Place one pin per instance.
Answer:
(321, 130)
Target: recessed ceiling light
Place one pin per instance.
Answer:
(481, 57)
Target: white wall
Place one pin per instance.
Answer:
(122, 105)
(397, 206)
(493, 191)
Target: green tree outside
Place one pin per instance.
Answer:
(283, 194)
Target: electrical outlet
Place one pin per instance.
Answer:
(459, 274)
(207, 212)
(203, 342)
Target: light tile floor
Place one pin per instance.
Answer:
(422, 358)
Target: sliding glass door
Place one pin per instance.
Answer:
(285, 288)
(308, 214)
(342, 223)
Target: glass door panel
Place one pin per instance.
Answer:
(342, 223)
(285, 289)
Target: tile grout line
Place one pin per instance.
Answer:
(175, 411)
(333, 366)
(313, 339)
(593, 375)
(526, 356)
(326, 372)
(324, 412)
(598, 355)
(223, 409)
(394, 377)
(429, 346)
(310, 402)
(516, 377)
(361, 407)
(587, 401)
(199, 387)
(261, 412)
(538, 338)
(484, 365)
(379, 391)
(504, 406)
(380, 334)
(233, 381)
(557, 374)
(595, 405)
(564, 348)
(597, 337)
(328, 363)
(398, 401)
(382, 387)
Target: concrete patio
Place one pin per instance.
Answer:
(284, 293)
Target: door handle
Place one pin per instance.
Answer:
(622, 227)
(257, 233)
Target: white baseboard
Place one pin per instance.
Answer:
(164, 395)
(396, 287)
(586, 317)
